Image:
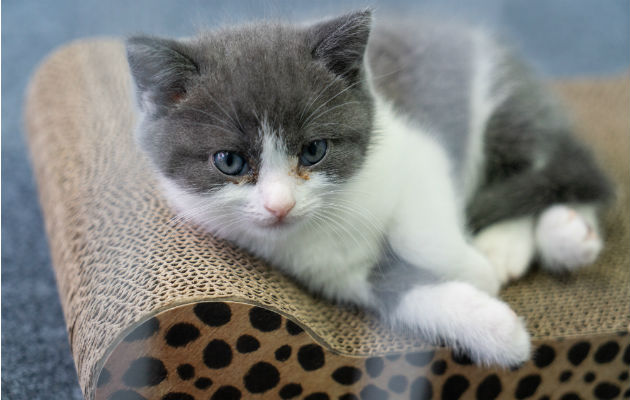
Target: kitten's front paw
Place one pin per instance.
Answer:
(499, 337)
(468, 320)
(566, 239)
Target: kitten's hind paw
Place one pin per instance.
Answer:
(567, 239)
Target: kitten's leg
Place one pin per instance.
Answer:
(509, 245)
(567, 237)
(466, 319)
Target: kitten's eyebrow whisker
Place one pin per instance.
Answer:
(314, 118)
(319, 94)
(331, 99)
(206, 113)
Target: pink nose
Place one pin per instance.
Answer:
(280, 210)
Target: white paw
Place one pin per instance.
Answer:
(497, 336)
(509, 246)
(566, 240)
(468, 320)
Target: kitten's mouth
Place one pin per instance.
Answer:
(277, 223)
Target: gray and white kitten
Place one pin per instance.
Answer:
(408, 170)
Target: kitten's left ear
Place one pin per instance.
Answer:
(340, 43)
(160, 69)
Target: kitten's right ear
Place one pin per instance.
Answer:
(160, 69)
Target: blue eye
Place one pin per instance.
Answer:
(230, 163)
(313, 152)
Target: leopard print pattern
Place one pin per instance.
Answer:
(231, 351)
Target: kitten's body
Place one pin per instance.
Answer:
(438, 134)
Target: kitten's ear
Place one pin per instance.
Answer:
(160, 70)
(340, 43)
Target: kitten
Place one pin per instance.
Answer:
(409, 170)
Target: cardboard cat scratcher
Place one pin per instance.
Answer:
(156, 309)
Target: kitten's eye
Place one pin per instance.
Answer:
(230, 163)
(313, 152)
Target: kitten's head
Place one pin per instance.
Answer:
(253, 128)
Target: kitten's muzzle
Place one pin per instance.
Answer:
(280, 209)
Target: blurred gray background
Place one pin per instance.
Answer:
(562, 38)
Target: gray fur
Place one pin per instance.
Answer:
(425, 70)
(393, 276)
(296, 80)
(532, 157)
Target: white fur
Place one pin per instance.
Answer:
(275, 185)
(478, 324)
(567, 237)
(509, 245)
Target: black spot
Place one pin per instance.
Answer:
(606, 390)
(578, 352)
(438, 367)
(371, 392)
(317, 396)
(623, 376)
(261, 377)
(125, 395)
(311, 357)
(374, 366)
(421, 389)
(565, 375)
(213, 314)
(186, 371)
(420, 359)
(570, 396)
(203, 383)
(293, 328)
(181, 334)
(247, 344)
(454, 387)
(392, 357)
(226, 393)
(347, 375)
(589, 377)
(178, 396)
(348, 396)
(626, 394)
(544, 398)
(144, 330)
(290, 391)
(264, 320)
(461, 358)
(544, 356)
(103, 378)
(217, 354)
(489, 388)
(398, 383)
(145, 371)
(283, 353)
(527, 386)
(626, 355)
(607, 352)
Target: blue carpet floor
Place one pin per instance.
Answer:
(561, 37)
